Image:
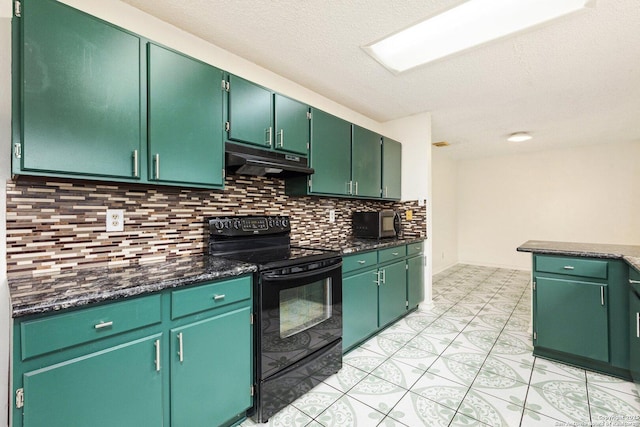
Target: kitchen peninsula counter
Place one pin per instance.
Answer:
(43, 293)
(629, 253)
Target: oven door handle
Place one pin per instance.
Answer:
(304, 274)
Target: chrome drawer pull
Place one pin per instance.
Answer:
(395, 254)
(569, 267)
(157, 361)
(180, 349)
(103, 325)
(362, 262)
(217, 297)
(601, 295)
(638, 325)
(634, 282)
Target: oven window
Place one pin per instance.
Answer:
(305, 306)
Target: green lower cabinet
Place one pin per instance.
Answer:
(634, 324)
(415, 281)
(119, 386)
(392, 293)
(210, 379)
(572, 317)
(359, 307)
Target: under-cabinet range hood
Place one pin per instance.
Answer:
(243, 160)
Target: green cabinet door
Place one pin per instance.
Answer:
(249, 114)
(415, 281)
(366, 162)
(391, 169)
(211, 370)
(572, 317)
(185, 119)
(291, 125)
(359, 307)
(80, 94)
(392, 293)
(634, 324)
(119, 386)
(330, 154)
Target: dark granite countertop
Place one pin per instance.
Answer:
(43, 293)
(352, 245)
(629, 253)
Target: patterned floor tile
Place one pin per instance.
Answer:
(377, 393)
(441, 390)
(504, 388)
(518, 371)
(613, 400)
(609, 382)
(346, 378)
(390, 422)
(490, 410)
(288, 417)
(534, 419)
(461, 420)
(348, 411)
(317, 400)
(398, 373)
(435, 344)
(564, 400)
(382, 346)
(398, 335)
(416, 357)
(364, 359)
(453, 370)
(415, 410)
(463, 344)
(544, 367)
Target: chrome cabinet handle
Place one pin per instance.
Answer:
(395, 253)
(384, 277)
(569, 267)
(634, 282)
(601, 295)
(386, 191)
(135, 164)
(377, 281)
(217, 297)
(350, 186)
(281, 143)
(269, 133)
(180, 348)
(638, 325)
(157, 158)
(362, 261)
(103, 325)
(356, 188)
(157, 361)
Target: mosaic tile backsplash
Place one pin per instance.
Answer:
(60, 224)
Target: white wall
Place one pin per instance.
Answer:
(5, 138)
(585, 194)
(415, 134)
(445, 210)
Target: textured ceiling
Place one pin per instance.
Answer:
(574, 81)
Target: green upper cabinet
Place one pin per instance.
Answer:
(185, 119)
(366, 162)
(291, 125)
(80, 105)
(391, 169)
(330, 154)
(260, 117)
(250, 113)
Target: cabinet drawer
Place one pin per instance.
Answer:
(414, 249)
(391, 254)
(209, 296)
(572, 266)
(360, 260)
(65, 330)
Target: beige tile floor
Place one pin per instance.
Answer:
(464, 362)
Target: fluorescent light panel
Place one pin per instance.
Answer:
(470, 24)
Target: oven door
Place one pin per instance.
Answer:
(300, 311)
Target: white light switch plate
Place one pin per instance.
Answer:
(115, 220)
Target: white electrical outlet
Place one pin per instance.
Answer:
(115, 220)
(332, 215)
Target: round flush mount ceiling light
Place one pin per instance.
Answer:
(519, 137)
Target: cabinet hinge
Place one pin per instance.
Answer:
(227, 126)
(407, 304)
(308, 115)
(251, 320)
(308, 146)
(253, 390)
(406, 268)
(19, 398)
(309, 183)
(17, 150)
(535, 335)
(225, 85)
(534, 286)
(17, 9)
(224, 174)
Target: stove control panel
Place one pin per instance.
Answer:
(248, 225)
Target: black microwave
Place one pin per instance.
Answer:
(376, 225)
